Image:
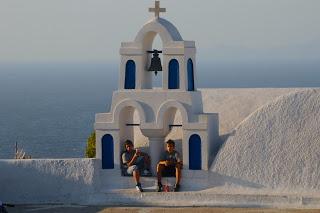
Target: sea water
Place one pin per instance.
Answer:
(49, 109)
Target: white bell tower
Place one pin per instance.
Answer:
(179, 57)
(157, 108)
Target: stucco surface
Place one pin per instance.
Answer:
(232, 105)
(45, 180)
(235, 104)
(278, 146)
(272, 159)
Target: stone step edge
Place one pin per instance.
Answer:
(184, 199)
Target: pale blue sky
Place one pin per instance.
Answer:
(91, 31)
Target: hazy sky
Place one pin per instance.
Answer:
(224, 30)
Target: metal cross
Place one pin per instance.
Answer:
(157, 10)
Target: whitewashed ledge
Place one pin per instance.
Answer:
(182, 199)
(81, 181)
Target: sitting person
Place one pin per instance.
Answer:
(170, 162)
(135, 163)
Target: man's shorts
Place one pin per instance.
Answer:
(169, 171)
(139, 166)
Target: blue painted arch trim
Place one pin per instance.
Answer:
(190, 75)
(195, 152)
(107, 145)
(130, 75)
(173, 75)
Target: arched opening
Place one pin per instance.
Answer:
(140, 141)
(173, 119)
(174, 81)
(130, 75)
(195, 152)
(130, 129)
(157, 79)
(149, 34)
(190, 75)
(127, 124)
(107, 152)
(151, 41)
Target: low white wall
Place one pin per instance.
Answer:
(83, 182)
(79, 181)
(47, 181)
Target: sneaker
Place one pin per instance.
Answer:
(159, 187)
(139, 188)
(176, 188)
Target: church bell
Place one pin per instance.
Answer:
(155, 65)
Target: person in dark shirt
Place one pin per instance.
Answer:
(135, 163)
(170, 162)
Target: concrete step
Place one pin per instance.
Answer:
(179, 199)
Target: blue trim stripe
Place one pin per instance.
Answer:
(174, 81)
(195, 152)
(130, 75)
(107, 152)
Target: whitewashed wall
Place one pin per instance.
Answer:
(47, 181)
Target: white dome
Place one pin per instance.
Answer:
(167, 31)
(278, 146)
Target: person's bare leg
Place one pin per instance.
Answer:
(136, 176)
(178, 174)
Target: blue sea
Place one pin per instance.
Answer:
(49, 109)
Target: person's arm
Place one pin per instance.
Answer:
(178, 157)
(163, 160)
(126, 161)
(133, 159)
(167, 162)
